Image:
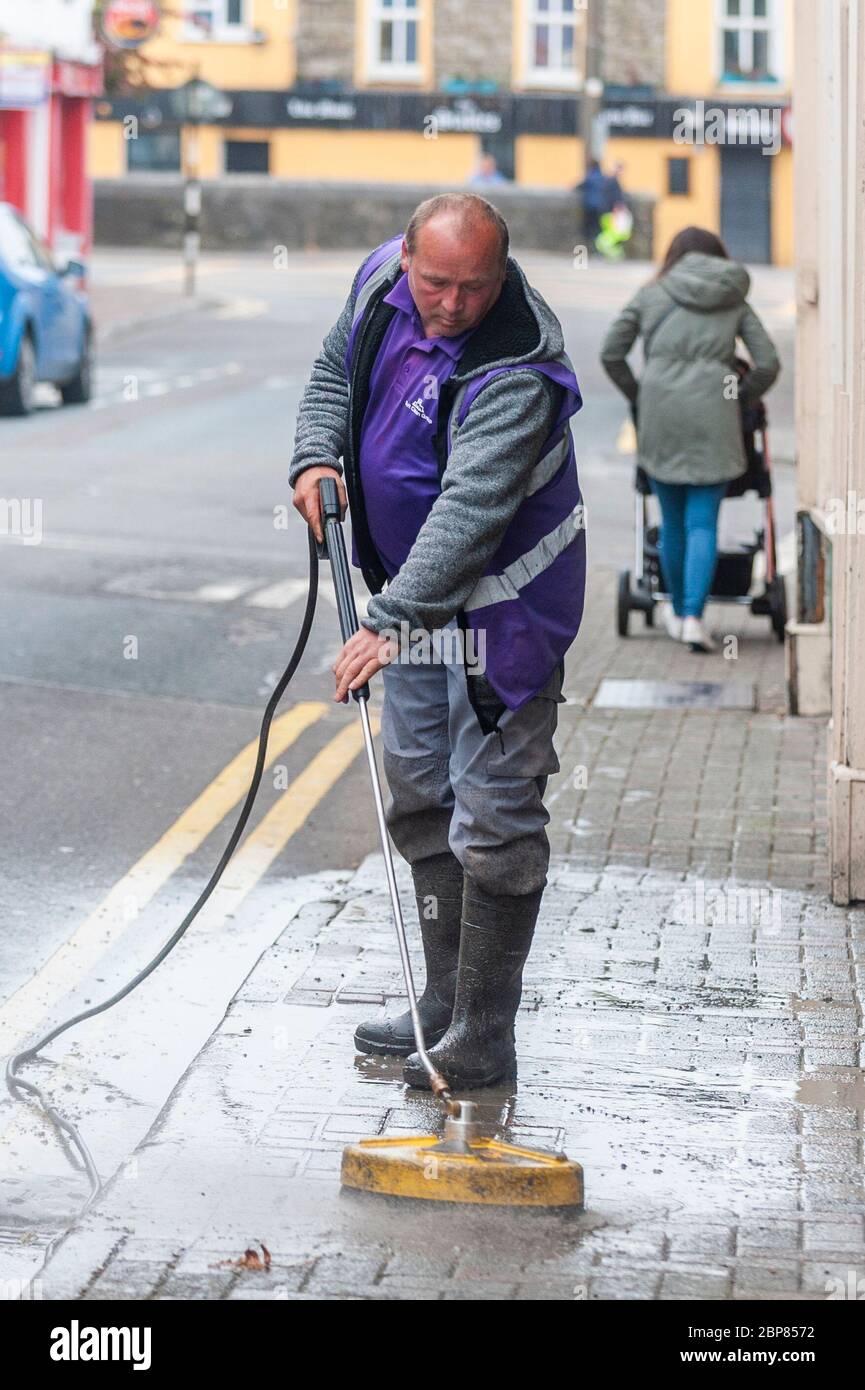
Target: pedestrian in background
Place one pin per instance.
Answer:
(617, 227)
(614, 196)
(593, 192)
(687, 407)
(487, 172)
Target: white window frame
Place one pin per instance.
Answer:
(223, 31)
(747, 25)
(400, 15)
(556, 19)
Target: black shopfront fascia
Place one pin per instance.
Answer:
(495, 119)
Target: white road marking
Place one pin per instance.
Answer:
(280, 595)
(287, 591)
(149, 584)
(164, 387)
(221, 593)
(283, 383)
(114, 917)
(243, 309)
(117, 272)
(146, 584)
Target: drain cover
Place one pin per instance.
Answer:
(637, 694)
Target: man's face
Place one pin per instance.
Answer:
(454, 275)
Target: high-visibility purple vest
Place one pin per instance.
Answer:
(529, 601)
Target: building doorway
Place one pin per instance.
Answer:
(746, 203)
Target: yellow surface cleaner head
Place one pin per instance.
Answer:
(462, 1167)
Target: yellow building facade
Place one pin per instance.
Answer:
(396, 91)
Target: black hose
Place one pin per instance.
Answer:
(16, 1083)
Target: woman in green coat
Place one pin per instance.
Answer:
(689, 429)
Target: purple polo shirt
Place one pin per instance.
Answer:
(398, 467)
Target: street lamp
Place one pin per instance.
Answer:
(192, 104)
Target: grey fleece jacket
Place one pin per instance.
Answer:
(486, 477)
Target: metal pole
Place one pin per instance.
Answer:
(191, 207)
(591, 98)
(396, 906)
(336, 553)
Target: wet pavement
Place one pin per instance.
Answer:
(691, 1028)
(691, 1032)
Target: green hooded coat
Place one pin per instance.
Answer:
(689, 426)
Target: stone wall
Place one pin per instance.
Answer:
(634, 41)
(473, 40)
(258, 213)
(325, 41)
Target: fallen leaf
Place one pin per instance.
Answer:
(250, 1259)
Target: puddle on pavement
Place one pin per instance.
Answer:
(694, 1000)
(844, 1090)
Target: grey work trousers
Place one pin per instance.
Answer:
(454, 787)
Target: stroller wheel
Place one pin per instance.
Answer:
(623, 603)
(778, 606)
(649, 615)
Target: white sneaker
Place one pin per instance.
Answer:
(695, 636)
(672, 623)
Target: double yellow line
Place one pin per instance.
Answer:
(29, 1005)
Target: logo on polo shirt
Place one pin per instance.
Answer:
(416, 408)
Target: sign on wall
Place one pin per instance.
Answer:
(129, 23)
(25, 78)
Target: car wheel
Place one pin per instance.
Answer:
(16, 395)
(77, 390)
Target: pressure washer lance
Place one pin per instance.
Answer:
(334, 550)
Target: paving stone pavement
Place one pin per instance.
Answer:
(691, 1032)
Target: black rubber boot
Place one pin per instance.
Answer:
(478, 1048)
(438, 883)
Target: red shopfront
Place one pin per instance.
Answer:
(45, 110)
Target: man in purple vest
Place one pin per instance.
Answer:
(445, 390)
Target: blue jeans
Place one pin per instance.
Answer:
(689, 542)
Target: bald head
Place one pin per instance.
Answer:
(455, 254)
(470, 210)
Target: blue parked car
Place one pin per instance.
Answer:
(46, 333)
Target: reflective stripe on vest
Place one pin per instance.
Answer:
(500, 588)
(549, 463)
(548, 466)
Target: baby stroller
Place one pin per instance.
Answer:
(734, 576)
